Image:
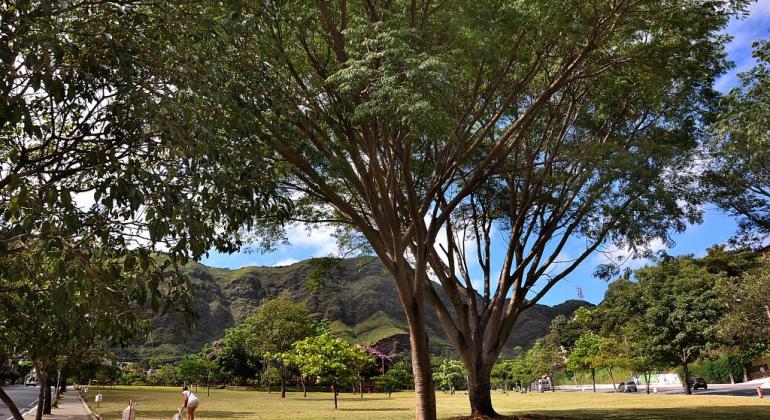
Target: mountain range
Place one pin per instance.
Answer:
(357, 296)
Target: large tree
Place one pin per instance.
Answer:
(415, 121)
(738, 171)
(680, 311)
(272, 330)
(98, 170)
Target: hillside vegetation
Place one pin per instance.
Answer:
(356, 295)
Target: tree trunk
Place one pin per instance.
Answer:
(40, 397)
(612, 378)
(479, 391)
(647, 377)
(423, 376)
(686, 383)
(63, 384)
(361, 387)
(283, 386)
(304, 389)
(47, 403)
(10, 404)
(334, 391)
(593, 378)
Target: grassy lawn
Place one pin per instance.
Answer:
(161, 403)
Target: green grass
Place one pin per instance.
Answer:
(161, 403)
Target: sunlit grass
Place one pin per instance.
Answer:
(161, 403)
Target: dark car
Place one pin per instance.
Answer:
(627, 386)
(696, 383)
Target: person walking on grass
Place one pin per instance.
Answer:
(190, 403)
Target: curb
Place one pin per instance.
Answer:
(25, 411)
(87, 408)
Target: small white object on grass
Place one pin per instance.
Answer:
(129, 413)
(178, 415)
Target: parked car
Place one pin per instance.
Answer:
(31, 381)
(627, 386)
(696, 383)
(543, 385)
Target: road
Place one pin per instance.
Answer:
(738, 390)
(25, 397)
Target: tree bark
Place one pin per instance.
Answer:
(479, 393)
(283, 386)
(334, 391)
(421, 369)
(593, 378)
(647, 377)
(10, 404)
(612, 378)
(47, 401)
(686, 383)
(40, 397)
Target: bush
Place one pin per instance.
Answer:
(716, 371)
(396, 378)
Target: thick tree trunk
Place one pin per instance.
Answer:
(686, 383)
(425, 393)
(480, 393)
(10, 404)
(283, 387)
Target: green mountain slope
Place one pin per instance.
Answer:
(356, 295)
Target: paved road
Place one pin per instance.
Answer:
(739, 390)
(24, 396)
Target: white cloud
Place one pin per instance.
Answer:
(84, 200)
(286, 261)
(624, 257)
(319, 238)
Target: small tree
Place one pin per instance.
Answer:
(681, 309)
(271, 376)
(324, 357)
(583, 356)
(611, 354)
(360, 361)
(450, 375)
(395, 379)
(272, 330)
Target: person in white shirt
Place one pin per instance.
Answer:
(190, 403)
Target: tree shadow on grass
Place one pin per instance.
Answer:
(167, 414)
(363, 410)
(695, 413)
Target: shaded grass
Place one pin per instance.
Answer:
(162, 402)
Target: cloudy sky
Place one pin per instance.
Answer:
(716, 228)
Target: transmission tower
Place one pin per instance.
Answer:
(580, 293)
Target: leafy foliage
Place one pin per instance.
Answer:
(450, 375)
(737, 176)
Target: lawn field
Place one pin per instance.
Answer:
(161, 403)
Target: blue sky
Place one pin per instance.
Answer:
(716, 227)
